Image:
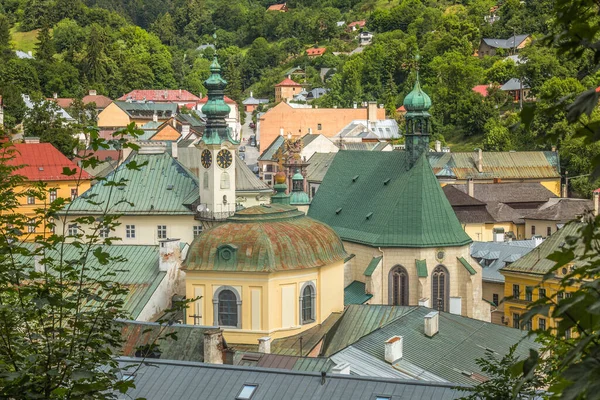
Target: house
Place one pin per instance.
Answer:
(278, 7)
(493, 256)
(180, 97)
(42, 162)
(285, 118)
(119, 114)
(286, 90)
(493, 15)
(554, 214)
(516, 89)
(481, 89)
(473, 215)
(205, 46)
(488, 47)
(365, 130)
(233, 117)
(295, 72)
(316, 93)
(59, 113)
(259, 383)
(365, 38)
(526, 279)
(315, 52)
(250, 104)
(100, 101)
(356, 25)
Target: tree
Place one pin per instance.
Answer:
(497, 137)
(5, 26)
(164, 28)
(45, 120)
(94, 65)
(14, 106)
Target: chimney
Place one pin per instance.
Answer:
(32, 139)
(55, 95)
(251, 94)
(393, 349)
(310, 131)
(280, 131)
(537, 240)
(438, 146)
(341, 369)
(264, 345)
(564, 192)
(480, 160)
(432, 323)
(30, 53)
(596, 202)
(174, 149)
(471, 187)
(92, 92)
(372, 111)
(155, 117)
(424, 302)
(213, 346)
(354, 105)
(169, 254)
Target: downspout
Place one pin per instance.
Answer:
(382, 260)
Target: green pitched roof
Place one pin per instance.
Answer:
(373, 198)
(270, 151)
(467, 266)
(372, 265)
(354, 293)
(421, 268)
(161, 186)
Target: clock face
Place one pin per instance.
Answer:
(224, 159)
(206, 159)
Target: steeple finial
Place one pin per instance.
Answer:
(215, 109)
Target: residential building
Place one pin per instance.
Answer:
(488, 47)
(317, 167)
(286, 90)
(100, 101)
(315, 52)
(42, 162)
(517, 90)
(554, 214)
(316, 93)
(180, 127)
(526, 280)
(60, 112)
(364, 130)
(232, 119)
(251, 103)
(356, 25)
(473, 215)
(278, 7)
(391, 213)
(182, 98)
(493, 256)
(295, 73)
(119, 114)
(286, 118)
(365, 38)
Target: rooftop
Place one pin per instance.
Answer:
(492, 256)
(514, 84)
(508, 193)
(318, 165)
(136, 110)
(160, 96)
(561, 209)
(511, 42)
(287, 82)
(43, 162)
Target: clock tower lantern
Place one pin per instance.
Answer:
(217, 153)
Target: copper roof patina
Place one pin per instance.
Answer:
(268, 238)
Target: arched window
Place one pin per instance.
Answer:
(227, 306)
(308, 294)
(398, 286)
(440, 288)
(224, 180)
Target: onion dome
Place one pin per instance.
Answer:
(417, 99)
(265, 238)
(215, 109)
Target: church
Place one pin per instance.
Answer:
(391, 213)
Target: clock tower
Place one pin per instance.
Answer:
(217, 153)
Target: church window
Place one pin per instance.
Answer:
(224, 180)
(227, 306)
(440, 288)
(205, 180)
(308, 294)
(398, 286)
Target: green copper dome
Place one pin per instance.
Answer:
(298, 196)
(215, 109)
(417, 100)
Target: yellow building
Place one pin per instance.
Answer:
(41, 162)
(121, 113)
(267, 271)
(524, 280)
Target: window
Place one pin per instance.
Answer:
(542, 293)
(516, 291)
(516, 318)
(398, 286)
(532, 230)
(72, 231)
(74, 193)
(529, 293)
(104, 232)
(319, 127)
(197, 230)
(30, 200)
(542, 323)
(52, 195)
(495, 298)
(228, 315)
(246, 392)
(568, 334)
(382, 397)
(549, 231)
(559, 296)
(130, 231)
(161, 231)
(307, 303)
(440, 287)
(527, 326)
(31, 225)
(568, 295)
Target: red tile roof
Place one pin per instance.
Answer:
(277, 7)
(319, 51)
(98, 99)
(63, 102)
(101, 155)
(160, 96)
(43, 162)
(227, 100)
(360, 23)
(287, 82)
(401, 109)
(481, 89)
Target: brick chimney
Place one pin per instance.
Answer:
(213, 346)
(432, 323)
(393, 349)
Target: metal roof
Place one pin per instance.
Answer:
(160, 186)
(179, 380)
(318, 165)
(146, 109)
(514, 84)
(511, 42)
(372, 265)
(355, 293)
(363, 364)
(270, 151)
(279, 361)
(246, 180)
(505, 252)
(374, 198)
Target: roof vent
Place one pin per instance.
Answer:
(40, 168)
(387, 181)
(355, 178)
(339, 210)
(369, 215)
(169, 187)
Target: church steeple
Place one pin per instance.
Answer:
(418, 125)
(215, 109)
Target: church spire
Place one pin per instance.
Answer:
(418, 125)
(215, 109)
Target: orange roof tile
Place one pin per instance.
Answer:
(160, 96)
(319, 51)
(227, 100)
(43, 162)
(287, 82)
(481, 89)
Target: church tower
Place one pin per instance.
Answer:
(217, 153)
(418, 124)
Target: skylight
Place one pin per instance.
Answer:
(246, 392)
(383, 397)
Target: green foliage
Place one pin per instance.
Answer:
(45, 121)
(14, 107)
(497, 137)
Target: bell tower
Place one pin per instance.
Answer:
(217, 153)
(418, 124)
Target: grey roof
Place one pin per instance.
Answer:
(453, 352)
(318, 165)
(299, 97)
(370, 146)
(363, 364)
(504, 213)
(496, 255)
(280, 361)
(511, 42)
(522, 192)
(270, 151)
(561, 209)
(205, 46)
(316, 93)
(60, 112)
(246, 180)
(190, 119)
(253, 101)
(170, 380)
(147, 109)
(382, 129)
(514, 84)
(23, 55)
